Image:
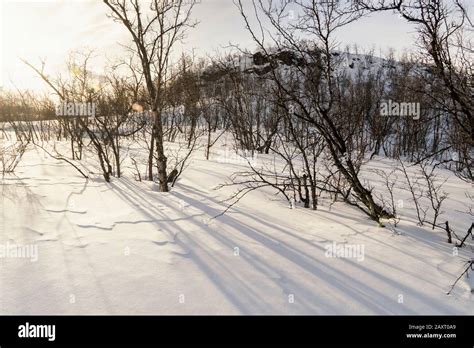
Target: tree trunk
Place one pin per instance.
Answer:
(162, 160)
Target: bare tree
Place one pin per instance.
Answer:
(316, 99)
(155, 29)
(433, 190)
(446, 42)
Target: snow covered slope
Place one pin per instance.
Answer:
(123, 248)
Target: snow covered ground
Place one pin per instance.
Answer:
(123, 248)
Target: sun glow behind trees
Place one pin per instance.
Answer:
(50, 29)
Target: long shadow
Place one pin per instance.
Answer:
(254, 300)
(215, 271)
(422, 297)
(293, 255)
(358, 291)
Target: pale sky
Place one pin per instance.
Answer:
(50, 29)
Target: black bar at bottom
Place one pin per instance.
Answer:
(222, 330)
